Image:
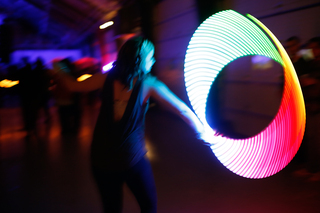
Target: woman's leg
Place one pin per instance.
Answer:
(141, 182)
(110, 186)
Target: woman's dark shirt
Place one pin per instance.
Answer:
(118, 145)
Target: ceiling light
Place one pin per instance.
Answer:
(105, 25)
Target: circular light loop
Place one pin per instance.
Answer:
(222, 38)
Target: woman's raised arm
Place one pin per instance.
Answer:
(92, 83)
(161, 94)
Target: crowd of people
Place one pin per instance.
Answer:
(37, 92)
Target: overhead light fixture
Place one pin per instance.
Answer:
(105, 25)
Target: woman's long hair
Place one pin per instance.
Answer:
(130, 56)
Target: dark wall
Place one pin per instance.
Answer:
(136, 14)
(128, 19)
(207, 8)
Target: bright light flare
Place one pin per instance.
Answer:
(8, 83)
(105, 25)
(107, 67)
(84, 77)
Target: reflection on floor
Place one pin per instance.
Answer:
(49, 173)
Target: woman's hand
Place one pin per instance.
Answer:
(208, 135)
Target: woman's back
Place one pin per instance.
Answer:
(121, 96)
(118, 140)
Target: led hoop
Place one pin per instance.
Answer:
(222, 38)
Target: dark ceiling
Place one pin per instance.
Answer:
(56, 23)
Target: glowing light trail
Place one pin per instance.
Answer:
(8, 83)
(107, 67)
(84, 77)
(105, 25)
(222, 38)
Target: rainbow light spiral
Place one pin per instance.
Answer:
(222, 38)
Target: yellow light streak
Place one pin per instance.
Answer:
(8, 83)
(84, 77)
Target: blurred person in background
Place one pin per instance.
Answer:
(91, 66)
(296, 53)
(34, 93)
(293, 46)
(67, 102)
(28, 92)
(117, 150)
(42, 79)
(310, 83)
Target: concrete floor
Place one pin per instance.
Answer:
(50, 173)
